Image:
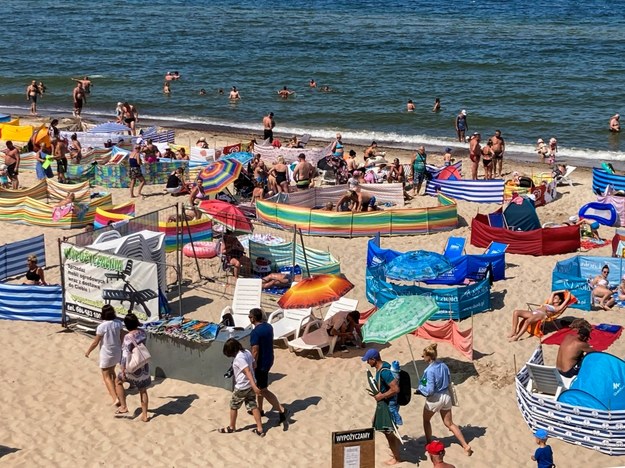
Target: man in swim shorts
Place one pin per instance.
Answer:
(12, 160)
(79, 98)
(499, 148)
(475, 152)
(268, 124)
(32, 91)
(304, 173)
(574, 348)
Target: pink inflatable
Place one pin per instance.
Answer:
(202, 249)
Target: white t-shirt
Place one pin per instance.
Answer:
(242, 360)
(111, 344)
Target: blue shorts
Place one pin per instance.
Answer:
(372, 202)
(594, 225)
(393, 408)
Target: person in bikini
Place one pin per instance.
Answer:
(521, 319)
(32, 92)
(279, 280)
(232, 249)
(337, 147)
(304, 173)
(34, 275)
(573, 349)
(461, 125)
(487, 160)
(601, 289)
(499, 148)
(12, 160)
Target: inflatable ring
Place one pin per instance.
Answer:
(202, 249)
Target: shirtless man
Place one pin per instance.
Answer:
(268, 124)
(410, 107)
(360, 201)
(12, 160)
(304, 173)
(312, 83)
(80, 98)
(234, 94)
(573, 348)
(475, 151)
(86, 83)
(371, 151)
(32, 92)
(499, 148)
(60, 155)
(615, 125)
(285, 92)
(436, 450)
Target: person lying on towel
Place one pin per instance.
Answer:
(521, 319)
(279, 280)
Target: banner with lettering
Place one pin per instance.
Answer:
(92, 278)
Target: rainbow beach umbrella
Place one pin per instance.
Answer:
(315, 291)
(218, 175)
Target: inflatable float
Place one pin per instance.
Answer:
(603, 213)
(202, 249)
(21, 133)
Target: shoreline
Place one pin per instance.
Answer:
(219, 131)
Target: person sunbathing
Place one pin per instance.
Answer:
(69, 199)
(521, 319)
(279, 280)
(601, 289)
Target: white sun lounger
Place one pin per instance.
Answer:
(247, 296)
(546, 380)
(314, 340)
(288, 323)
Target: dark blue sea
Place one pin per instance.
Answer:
(532, 69)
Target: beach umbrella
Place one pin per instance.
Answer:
(417, 265)
(218, 175)
(399, 317)
(110, 127)
(242, 156)
(227, 214)
(315, 291)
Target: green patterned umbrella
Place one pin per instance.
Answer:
(397, 318)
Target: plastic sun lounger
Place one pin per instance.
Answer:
(344, 304)
(247, 296)
(289, 322)
(454, 247)
(315, 340)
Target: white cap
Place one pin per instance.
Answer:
(574, 219)
(463, 112)
(120, 103)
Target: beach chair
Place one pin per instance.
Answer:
(497, 220)
(566, 177)
(538, 329)
(288, 323)
(327, 177)
(496, 248)
(247, 296)
(546, 380)
(304, 140)
(454, 247)
(344, 304)
(314, 340)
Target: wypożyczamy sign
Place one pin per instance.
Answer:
(85, 276)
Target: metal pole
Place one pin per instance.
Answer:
(294, 243)
(414, 363)
(63, 314)
(301, 237)
(197, 263)
(179, 255)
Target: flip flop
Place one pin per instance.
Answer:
(119, 411)
(225, 430)
(258, 433)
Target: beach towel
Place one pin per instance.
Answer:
(588, 244)
(448, 332)
(61, 211)
(600, 340)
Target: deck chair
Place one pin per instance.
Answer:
(497, 220)
(344, 304)
(314, 340)
(495, 248)
(538, 329)
(566, 177)
(247, 296)
(288, 323)
(304, 140)
(454, 247)
(546, 380)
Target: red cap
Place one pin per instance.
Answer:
(435, 447)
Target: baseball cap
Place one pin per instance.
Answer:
(435, 447)
(463, 112)
(541, 434)
(371, 354)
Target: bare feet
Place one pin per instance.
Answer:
(145, 418)
(392, 461)
(122, 410)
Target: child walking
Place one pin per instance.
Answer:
(543, 454)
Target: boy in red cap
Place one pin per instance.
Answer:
(436, 449)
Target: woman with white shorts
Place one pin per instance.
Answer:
(435, 387)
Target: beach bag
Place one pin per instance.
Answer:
(139, 357)
(452, 393)
(405, 388)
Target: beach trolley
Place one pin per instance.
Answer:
(588, 411)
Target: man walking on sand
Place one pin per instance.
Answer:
(436, 450)
(268, 124)
(12, 160)
(261, 341)
(475, 152)
(499, 148)
(389, 388)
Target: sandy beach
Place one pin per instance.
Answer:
(57, 413)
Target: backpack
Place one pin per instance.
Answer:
(405, 389)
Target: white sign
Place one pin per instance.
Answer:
(92, 278)
(351, 457)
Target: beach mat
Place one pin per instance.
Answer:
(600, 340)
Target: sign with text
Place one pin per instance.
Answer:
(353, 449)
(92, 278)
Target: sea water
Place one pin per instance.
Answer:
(531, 69)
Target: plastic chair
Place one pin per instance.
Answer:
(247, 296)
(454, 247)
(546, 380)
(288, 322)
